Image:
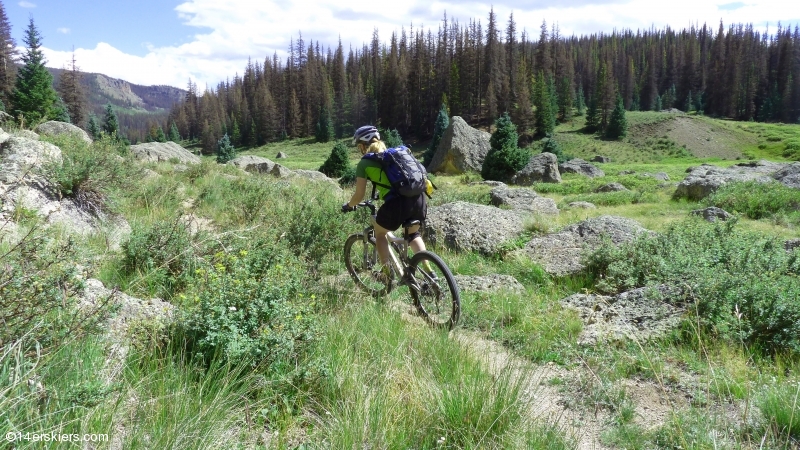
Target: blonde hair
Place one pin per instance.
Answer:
(375, 146)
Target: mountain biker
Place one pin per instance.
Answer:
(396, 209)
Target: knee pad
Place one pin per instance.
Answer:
(412, 236)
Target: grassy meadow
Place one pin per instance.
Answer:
(273, 346)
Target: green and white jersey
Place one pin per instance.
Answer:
(373, 171)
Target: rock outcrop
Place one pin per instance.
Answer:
(542, 168)
(253, 164)
(461, 149)
(705, 179)
(162, 152)
(581, 167)
(611, 187)
(712, 214)
(523, 199)
(560, 253)
(489, 283)
(55, 128)
(468, 227)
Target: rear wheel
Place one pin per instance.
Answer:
(437, 298)
(362, 261)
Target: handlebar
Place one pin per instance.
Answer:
(366, 204)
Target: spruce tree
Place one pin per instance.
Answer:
(8, 52)
(441, 124)
(618, 124)
(71, 92)
(110, 122)
(160, 136)
(505, 157)
(225, 151)
(60, 112)
(92, 128)
(546, 106)
(338, 162)
(391, 138)
(33, 96)
(174, 135)
(324, 128)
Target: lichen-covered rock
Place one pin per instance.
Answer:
(461, 149)
(253, 164)
(583, 205)
(705, 179)
(638, 315)
(560, 253)
(488, 283)
(581, 167)
(279, 171)
(611, 187)
(163, 151)
(712, 214)
(26, 134)
(55, 128)
(789, 175)
(468, 227)
(542, 168)
(23, 157)
(523, 199)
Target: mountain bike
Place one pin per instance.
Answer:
(432, 285)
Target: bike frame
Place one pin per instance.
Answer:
(396, 244)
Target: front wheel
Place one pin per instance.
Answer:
(362, 261)
(435, 293)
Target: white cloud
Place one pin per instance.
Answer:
(25, 4)
(63, 30)
(229, 32)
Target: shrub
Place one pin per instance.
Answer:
(550, 145)
(756, 200)
(744, 286)
(225, 151)
(348, 177)
(441, 124)
(338, 162)
(391, 138)
(792, 150)
(504, 157)
(248, 307)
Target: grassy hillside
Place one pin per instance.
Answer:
(274, 347)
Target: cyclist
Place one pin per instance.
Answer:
(396, 209)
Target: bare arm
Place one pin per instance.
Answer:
(358, 195)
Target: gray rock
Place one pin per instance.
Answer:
(626, 172)
(705, 179)
(27, 134)
(491, 183)
(611, 187)
(523, 199)
(639, 315)
(253, 164)
(789, 175)
(601, 159)
(712, 214)
(791, 244)
(55, 128)
(469, 227)
(163, 151)
(542, 168)
(280, 171)
(489, 283)
(281, 155)
(180, 168)
(583, 205)
(317, 176)
(660, 176)
(581, 167)
(560, 253)
(461, 149)
(21, 156)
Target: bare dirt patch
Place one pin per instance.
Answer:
(702, 138)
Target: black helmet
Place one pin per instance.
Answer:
(365, 134)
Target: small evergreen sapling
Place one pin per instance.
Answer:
(337, 163)
(504, 157)
(618, 124)
(441, 124)
(110, 122)
(93, 129)
(225, 151)
(174, 135)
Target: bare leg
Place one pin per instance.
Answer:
(381, 243)
(417, 244)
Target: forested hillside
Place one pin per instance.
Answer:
(482, 69)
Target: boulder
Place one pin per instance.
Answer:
(638, 315)
(705, 179)
(601, 159)
(611, 187)
(315, 175)
(55, 128)
(280, 171)
(469, 227)
(523, 199)
(461, 149)
(281, 155)
(560, 253)
(581, 167)
(791, 244)
(252, 164)
(542, 168)
(163, 151)
(23, 157)
(27, 134)
(712, 214)
(583, 205)
(789, 175)
(660, 176)
(489, 283)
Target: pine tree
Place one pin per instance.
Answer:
(59, 112)
(174, 135)
(225, 151)
(324, 128)
(439, 127)
(545, 109)
(618, 124)
(505, 157)
(71, 91)
(338, 162)
(110, 122)
(160, 136)
(8, 52)
(92, 128)
(33, 96)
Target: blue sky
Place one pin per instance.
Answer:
(171, 41)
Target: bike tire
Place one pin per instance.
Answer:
(438, 301)
(362, 261)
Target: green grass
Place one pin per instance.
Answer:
(303, 153)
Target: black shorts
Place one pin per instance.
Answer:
(398, 209)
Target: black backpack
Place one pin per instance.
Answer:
(406, 175)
